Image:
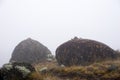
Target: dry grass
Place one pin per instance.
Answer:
(109, 70)
(46, 64)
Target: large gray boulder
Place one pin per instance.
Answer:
(30, 51)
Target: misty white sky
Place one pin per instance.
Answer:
(53, 22)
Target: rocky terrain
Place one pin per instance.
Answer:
(80, 51)
(30, 51)
(76, 59)
(108, 70)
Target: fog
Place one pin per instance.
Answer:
(52, 22)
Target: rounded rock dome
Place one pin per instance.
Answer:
(83, 52)
(30, 51)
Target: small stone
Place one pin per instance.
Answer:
(62, 65)
(112, 68)
(43, 70)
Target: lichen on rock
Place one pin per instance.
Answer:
(13, 71)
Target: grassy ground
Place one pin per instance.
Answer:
(108, 70)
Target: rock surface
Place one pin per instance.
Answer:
(30, 51)
(16, 71)
(83, 52)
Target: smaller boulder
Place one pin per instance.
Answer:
(112, 68)
(43, 70)
(30, 51)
